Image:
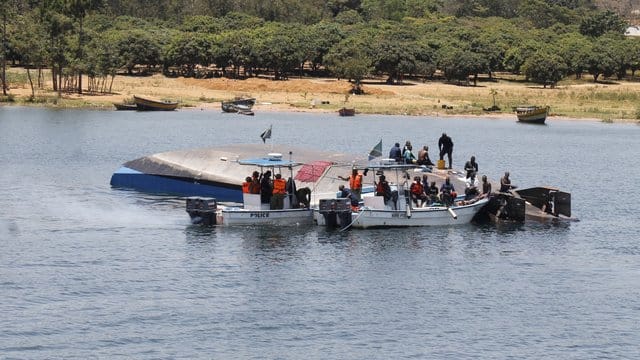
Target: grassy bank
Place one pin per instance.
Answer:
(583, 99)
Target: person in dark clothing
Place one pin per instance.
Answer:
(447, 192)
(471, 166)
(266, 188)
(433, 193)
(346, 193)
(486, 186)
(396, 153)
(505, 183)
(445, 144)
(383, 189)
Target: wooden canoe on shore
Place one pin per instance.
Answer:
(154, 105)
(122, 106)
(346, 112)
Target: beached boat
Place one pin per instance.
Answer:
(296, 209)
(123, 106)
(375, 213)
(532, 114)
(241, 106)
(346, 112)
(146, 104)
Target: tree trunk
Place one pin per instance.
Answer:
(4, 55)
(33, 91)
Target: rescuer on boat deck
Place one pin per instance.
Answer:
(383, 189)
(445, 144)
(246, 185)
(505, 183)
(355, 183)
(254, 188)
(447, 192)
(471, 166)
(279, 191)
(347, 193)
(417, 192)
(266, 189)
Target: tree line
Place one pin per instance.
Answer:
(545, 40)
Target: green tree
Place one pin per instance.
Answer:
(349, 60)
(135, 47)
(601, 61)
(601, 23)
(545, 68)
(575, 48)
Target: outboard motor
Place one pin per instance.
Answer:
(202, 210)
(336, 212)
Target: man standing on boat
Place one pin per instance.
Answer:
(355, 183)
(445, 144)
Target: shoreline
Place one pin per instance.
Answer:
(568, 102)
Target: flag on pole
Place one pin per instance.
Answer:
(376, 152)
(266, 134)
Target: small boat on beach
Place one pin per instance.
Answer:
(374, 212)
(241, 106)
(295, 208)
(347, 112)
(146, 104)
(125, 107)
(532, 114)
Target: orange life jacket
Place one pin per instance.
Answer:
(254, 187)
(416, 188)
(245, 187)
(355, 182)
(279, 186)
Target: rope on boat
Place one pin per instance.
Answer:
(354, 220)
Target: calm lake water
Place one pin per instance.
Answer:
(87, 271)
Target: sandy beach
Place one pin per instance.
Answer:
(613, 102)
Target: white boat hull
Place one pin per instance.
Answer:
(289, 217)
(429, 216)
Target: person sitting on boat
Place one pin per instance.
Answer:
(447, 192)
(409, 157)
(383, 189)
(417, 192)
(471, 187)
(471, 166)
(355, 183)
(395, 153)
(486, 186)
(246, 185)
(423, 157)
(279, 191)
(404, 148)
(432, 192)
(254, 188)
(505, 183)
(348, 194)
(266, 188)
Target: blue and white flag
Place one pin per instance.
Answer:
(266, 134)
(376, 152)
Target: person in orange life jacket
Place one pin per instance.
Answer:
(355, 183)
(347, 193)
(448, 192)
(266, 188)
(279, 191)
(417, 192)
(254, 188)
(246, 185)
